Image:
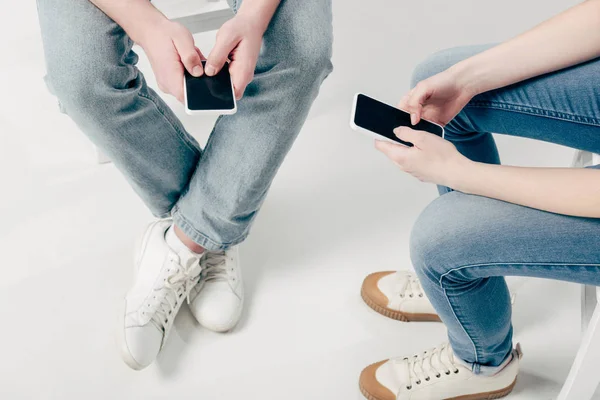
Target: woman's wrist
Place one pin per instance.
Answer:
(461, 174)
(471, 76)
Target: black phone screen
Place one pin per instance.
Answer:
(382, 119)
(210, 92)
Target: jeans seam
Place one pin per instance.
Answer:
(489, 265)
(460, 323)
(535, 111)
(182, 135)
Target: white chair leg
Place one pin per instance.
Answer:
(583, 378)
(588, 305)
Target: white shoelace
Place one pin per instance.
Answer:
(410, 287)
(168, 298)
(214, 266)
(431, 364)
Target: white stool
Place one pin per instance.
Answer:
(584, 376)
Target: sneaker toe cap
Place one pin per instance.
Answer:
(370, 289)
(217, 310)
(141, 345)
(371, 387)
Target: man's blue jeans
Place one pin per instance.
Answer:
(462, 246)
(213, 193)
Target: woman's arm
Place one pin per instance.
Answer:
(569, 191)
(570, 38)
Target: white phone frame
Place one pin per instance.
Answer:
(372, 134)
(205, 112)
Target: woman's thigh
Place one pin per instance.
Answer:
(459, 238)
(562, 107)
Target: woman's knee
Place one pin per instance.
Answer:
(442, 235)
(442, 60)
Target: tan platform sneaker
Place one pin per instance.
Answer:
(436, 375)
(398, 295)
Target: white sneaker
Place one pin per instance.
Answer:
(398, 295)
(217, 300)
(161, 285)
(434, 375)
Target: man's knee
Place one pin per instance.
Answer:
(89, 85)
(301, 38)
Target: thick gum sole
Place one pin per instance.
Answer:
(397, 315)
(477, 396)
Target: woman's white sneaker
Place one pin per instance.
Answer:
(163, 282)
(218, 298)
(435, 375)
(398, 295)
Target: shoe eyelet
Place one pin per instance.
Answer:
(428, 379)
(409, 387)
(447, 372)
(410, 295)
(418, 382)
(438, 375)
(421, 295)
(457, 371)
(401, 296)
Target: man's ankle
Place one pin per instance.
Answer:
(189, 243)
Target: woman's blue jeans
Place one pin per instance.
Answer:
(462, 246)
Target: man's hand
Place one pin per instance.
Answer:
(170, 48)
(238, 40)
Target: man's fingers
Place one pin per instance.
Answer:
(202, 58)
(188, 53)
(219, 54)
(242, 72)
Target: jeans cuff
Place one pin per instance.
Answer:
(198, 237)
(485, 370)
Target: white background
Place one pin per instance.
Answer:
(337, 211)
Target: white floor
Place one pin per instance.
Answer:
(337, 211)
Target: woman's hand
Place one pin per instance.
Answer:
(431, 159)
(170, 48)
(438, 98)
(239, 40)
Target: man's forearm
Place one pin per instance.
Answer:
(569, 191)
(136, 17)
(259, 11)
(568, 39)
